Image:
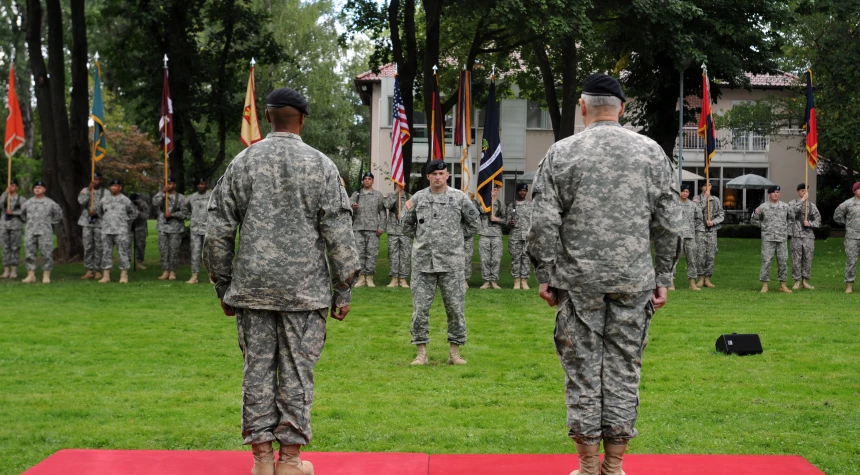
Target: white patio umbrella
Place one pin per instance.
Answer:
(750, 182)
(690, 176)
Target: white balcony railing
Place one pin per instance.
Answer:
(727, 140)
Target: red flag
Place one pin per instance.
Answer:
(14, 122)
(810, 124)
(399, 135)
(165, 124)
(437, 124)
(706, 121)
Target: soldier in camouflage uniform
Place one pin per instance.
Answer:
(115, 212)
(519, 220)
(170, 227)
(490, 241)
(775, 219)
(436, 218)
(92, 234)
(295, 246)
(806, 217)
(399, 245)
(706, 236)
(198, 210)
(848, 215)
(597, 265)
(692, 219)
(41, 213)
(11, 229)
(138, 231)
(367, 225)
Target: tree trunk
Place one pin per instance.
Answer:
(407, 67)
(548, 87)
(568, 88)
(79, 109)
(224, 110)
(432, 20)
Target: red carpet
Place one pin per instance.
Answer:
(169, 462)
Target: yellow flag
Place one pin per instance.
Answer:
(250, 124)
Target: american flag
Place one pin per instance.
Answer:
(399, 135)
(165, 123)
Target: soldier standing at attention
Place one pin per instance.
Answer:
(806, 217)
(170, 226)
(399, 245)
(490, 242)
(296, 246)
(41, 213)
(848, 215)
(137, 230)
(115, 211)
(692, 218)
(89, 198)
(11, 229)
(519, 219)
(436, 218)
(706, 236)
(198, 202)
(596, 266)
(368, 224)
(775, 218)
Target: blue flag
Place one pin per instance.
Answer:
(491, 168)
(98, 116)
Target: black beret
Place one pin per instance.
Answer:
(39, 183)
(97, 175)
(134, 197)
(14, 182)
(801, 186)
(284, 97)
(170, 180)
(116, 181)
(773, 189)
(687, 186)
(201, 180)
(367, 174)
(522, 186)
(603, 85)
(434, 165)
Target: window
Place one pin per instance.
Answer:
(537, 118)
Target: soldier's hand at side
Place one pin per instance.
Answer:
(228, 310)
(659, 297)
(378, 232)
(339, 313)
(355, 206)
(547, 293)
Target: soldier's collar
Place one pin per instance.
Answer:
(603, 123)
(288, 135)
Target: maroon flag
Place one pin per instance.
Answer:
(165, 124)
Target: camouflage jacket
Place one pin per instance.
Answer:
(800, 212)
(296, 241)
(600, 197)
(142, 215)
(199, 211)
(116, 212)
(848, 215)
(775, 219)
(488, 228)
(521, 216)
(16, 221)
(395, 225)
(41, 215)
(178, 211)
(370, 215)
(437, 223)
(692, 218)
(84, 200)
(717, 216)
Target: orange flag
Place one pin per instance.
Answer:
(14, 123)
(250, 124)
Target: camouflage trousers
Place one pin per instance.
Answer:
(280, 350)
(453, 289)
(196, 251)
(399, 255)
(10, 240)
(520, 265)
(599, 339)
(121, 243)
(490, 250)
(687, 247)
(137, 238)
(852, 248)
(43, 243)
(802, 250)
(367, 243)
(168, 247)
(768, 248)
(468, 254)
(706, 248)
(93, 248)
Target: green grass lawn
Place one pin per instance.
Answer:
(155, 365)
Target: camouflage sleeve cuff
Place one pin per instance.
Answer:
(221, 288)
(543, 275)
(664, 280)
(342, 297)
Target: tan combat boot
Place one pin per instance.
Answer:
(784, 288)
(164, 275)
(421, 357)
(141, 266)
(13, 272)
(709, 284)
(701, 282)
(495, 285)
(5, 272)
(369, 280)
(763, 287)
(672, 286)
(264, 459)
(193, 279)
(796, 285)
(97, 275)
(589, 459)
(849, 287)
(46, 277)
(524, 283)
(88, 275)
(106, 277)
(395, 281)
(693, 285)
(361, 282)
(516, 283)
(486, 285)
(805, 284)
(123, 276)
(467, 283)
(171, 275)
(403, 283)
(31, 277)
(612, 458)
(454, 355)
(289, 462)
